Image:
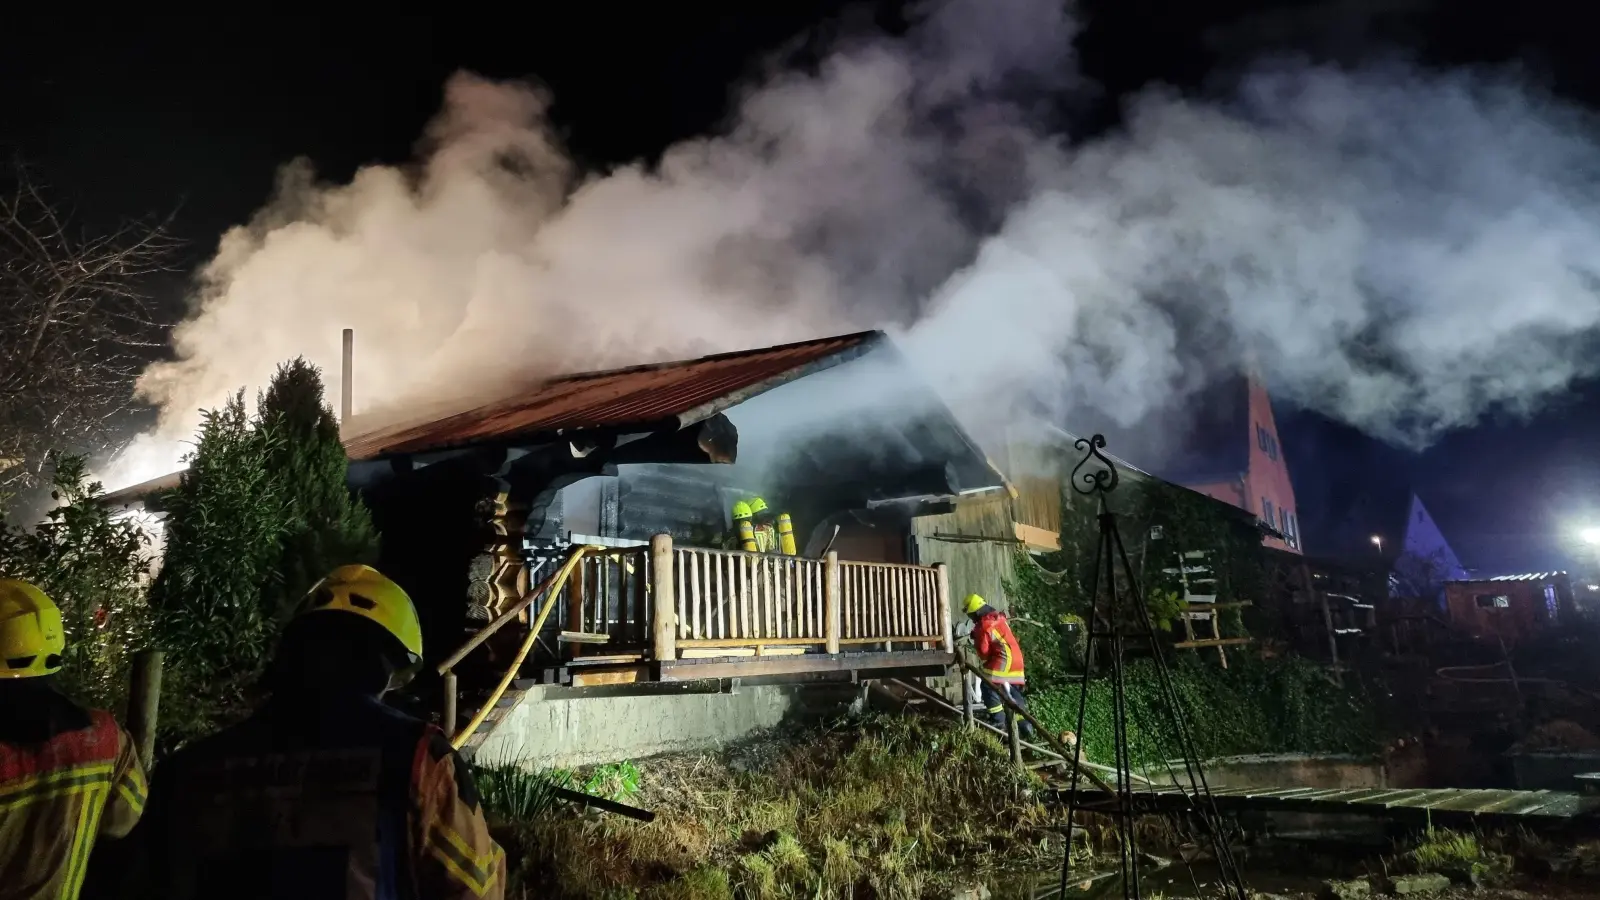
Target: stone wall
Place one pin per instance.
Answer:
(562, 731)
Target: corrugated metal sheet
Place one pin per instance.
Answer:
(688, 391)
(1523, 576)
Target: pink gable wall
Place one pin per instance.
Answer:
(1267, 480)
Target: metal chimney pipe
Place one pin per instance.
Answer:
(346, 376)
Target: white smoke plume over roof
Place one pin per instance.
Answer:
(1403, 249)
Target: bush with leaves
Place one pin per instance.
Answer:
(225, 524)
(327, 526)
(93, 563)
(261, 513)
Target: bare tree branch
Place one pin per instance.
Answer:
(76, 326)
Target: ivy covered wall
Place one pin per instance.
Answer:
(1256, 705)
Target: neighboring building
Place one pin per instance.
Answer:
(1258, 480)
(1509, 607)
(1423, 561)
(1229, 451)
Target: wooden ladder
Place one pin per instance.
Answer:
(1198, 579)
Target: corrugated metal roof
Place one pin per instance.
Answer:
(144, 490)
(687, 391)
(1524, 576)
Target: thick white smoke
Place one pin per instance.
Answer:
(1402, 249)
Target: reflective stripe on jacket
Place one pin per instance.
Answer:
(998, 649)
(56, 797)
(322, 799)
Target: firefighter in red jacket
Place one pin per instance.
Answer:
(68, 775)
(325, 791)
(1000, 658)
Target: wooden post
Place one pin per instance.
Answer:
(1014, 731)
(575, 622)
(830, 599)
(1327, 623)
(941, 573)
(448, 715)
(666, 604)
(966, 699)
(144, 703)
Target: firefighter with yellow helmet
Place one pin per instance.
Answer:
(759, 530)
(1000, 659)
(68, 775)
(325, 791)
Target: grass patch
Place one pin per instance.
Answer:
(888, 805)
(1462, 855)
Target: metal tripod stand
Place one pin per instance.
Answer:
(1120, 616)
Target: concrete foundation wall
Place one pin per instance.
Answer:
(1294, 770)
(1552, 771)
(566, 733)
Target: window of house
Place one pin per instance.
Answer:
(1294, 531)
(1493, 601)
(1286, 525)
(1550, 601)
(1266, 511)
(1267, 443)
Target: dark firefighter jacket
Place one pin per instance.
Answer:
(998, 648)
(57, 795)
(327, 798)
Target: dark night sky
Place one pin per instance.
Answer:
(136, 113)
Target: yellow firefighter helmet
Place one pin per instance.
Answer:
(973, 604)
(366, 592)
(31, 636)
(741, 511)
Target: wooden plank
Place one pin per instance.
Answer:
(583, 637)
(1425, 798)
(742, 642)
(1335, 795)
(714, 652)
(1462, 799)
(1354, 795)
(1529, 805)
(1507, 800)
(1403, 798)
(769, 650)
(894, 638)
(1212, 642)
(598, 659)
(614, 676)
(910, 661)
(1380, 797)
(1280, 794)
(1037, 538)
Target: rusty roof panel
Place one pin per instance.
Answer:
(688, 391)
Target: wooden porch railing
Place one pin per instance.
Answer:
(608, 602)
(671, 603)
(729, 603)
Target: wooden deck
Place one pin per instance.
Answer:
(663, 613)
(1438, 805)
(670, 613)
